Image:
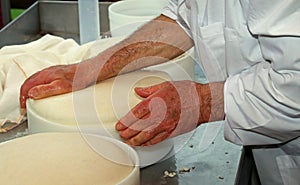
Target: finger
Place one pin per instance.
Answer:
(126, 124)
(153, 134)
(135, 128)
(54, 88)
(157, 139)
(120, 126)
(144, 136)
(138, 112)
(139, 139)
(147, 91)
(39, 78)
(27, 85)
(128, 133)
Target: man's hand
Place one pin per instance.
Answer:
(48, 82)
(170, 109)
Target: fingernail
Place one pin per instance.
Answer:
(120, 127)
(138, 89)
(117, 127)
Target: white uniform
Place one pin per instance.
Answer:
(253, 45)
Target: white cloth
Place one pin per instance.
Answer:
(17, 62)
(254, 46)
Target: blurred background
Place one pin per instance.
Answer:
(10, 9)
(23, 21)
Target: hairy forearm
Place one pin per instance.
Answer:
(156, 42)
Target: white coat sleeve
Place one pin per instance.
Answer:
(263, 102)
(171, 9)
(176, 10)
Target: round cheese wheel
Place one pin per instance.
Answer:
(63, 159)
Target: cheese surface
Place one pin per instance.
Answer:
(61, 159)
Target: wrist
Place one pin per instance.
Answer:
(211, 101)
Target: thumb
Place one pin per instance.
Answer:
(144, 92)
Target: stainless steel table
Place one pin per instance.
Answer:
(218, 164)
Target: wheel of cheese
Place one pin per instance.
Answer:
(67, 159)
(102, 104)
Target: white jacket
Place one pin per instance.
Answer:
(253, 45)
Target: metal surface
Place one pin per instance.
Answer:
(61, 18)
(58, 18)
(217, 165)
(5, 9)
(23, 29)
